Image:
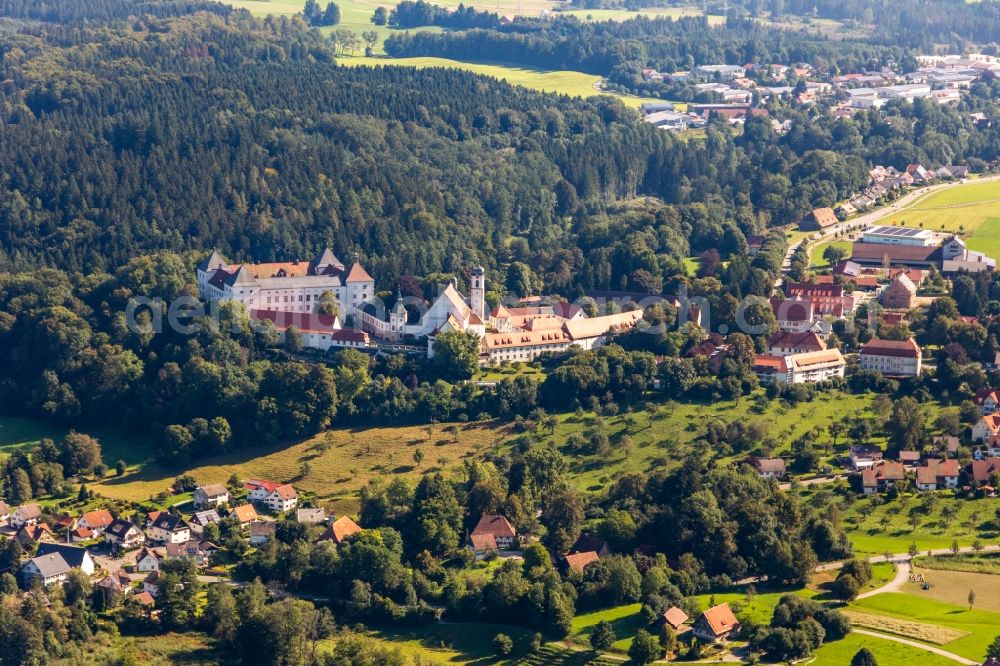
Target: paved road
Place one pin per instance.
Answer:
(905, 557)
(894, 585)
(816, 481)
(920, 646)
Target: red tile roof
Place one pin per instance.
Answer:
(896, 348)
(496, 525)
(579, 561)
(720, 619)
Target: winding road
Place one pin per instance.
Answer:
(917, 644)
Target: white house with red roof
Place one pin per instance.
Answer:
(716, 625)
(893, 358)
(987, 427)
(275, 496)
(96, 521)
(289, 286)
(504, 534)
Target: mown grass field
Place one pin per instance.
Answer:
(979, 626)
(887, 653)
(972, 209)
(816, 259)
(572, 84)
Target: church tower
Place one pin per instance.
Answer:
(478, 292)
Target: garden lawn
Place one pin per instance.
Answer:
(453, 642)
(573, 84)
(887, 653)
(625, 620)
(816, 259)
(871, 537)
(981, 626)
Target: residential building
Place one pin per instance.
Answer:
(937, 474)
(988, 426)
(675, 617)
(4, 513)
(793, 315)
(26, 514)
(200, 552)
(865, 456)
(719, 72)
(315, 516)
(893, 358)
(291, 286)
(151, 583)
(245, 514)
(499, 527)
(96, 521)
(261, 531)
(76, 557)
(148, 560)
(984, 471)
(768, 468)
(787, 344)
(818, 220)
(991, 403)
(807, 368)
(28, 535)
(124, 534)
(909, 458)
(588, 542)
(340, 529)
(169, 528)
(579, 561)
(881, 475)
(210, 496)
(115, 583)
(50, 569)
(202, 518)
(276, 496)
(716, 625)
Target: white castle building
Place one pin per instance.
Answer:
(291, 286)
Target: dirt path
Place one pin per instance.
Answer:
(894, 585)
(917, 644)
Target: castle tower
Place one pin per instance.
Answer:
(477, 295)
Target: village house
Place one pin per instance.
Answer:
(96, 521)
(892, 358)
(50, 569)
(124, 534)
(946, 445)
(168, 528)
(28, 535)
(340, 529)
(768, 468)
(76, 557)
(26, 514)
(578, 562)
(588, 542)
(114, 584)
(4, 512)
(716, 625)
(245, 514)
(148, 560)
(984, 471)
(200, 552)
(261, 531)
(909, 458)
(990, 404)
(499, 528)
(818, 220)
(937, 474)
(864, 456)
(210, 496)
(151, 583)
(988, 426)
(880, 476)
(200, 519)
(278, 497)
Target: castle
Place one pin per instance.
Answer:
(290, 286)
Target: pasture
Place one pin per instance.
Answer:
(952, 587)
(572, 84)
(887, 653)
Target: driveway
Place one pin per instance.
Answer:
(894, 585)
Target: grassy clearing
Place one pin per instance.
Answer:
(510, 372)
(625, 620)
(453, 643)
(189, 649)
(986, 563)
(18, 433)
(572, 84)
(816, 258)
(969, 209)
(952, 587)
(887, 653)
(980, 626)
(887, 529)
(928, 633)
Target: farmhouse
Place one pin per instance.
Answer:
(210, 496)
(675, 617)
(340, 529)
(818, 220)
(881, 475)
(498, 527)
(291, 286)
(893, 358)
(579, 561)
(26, 514)
(768, 468)
(716, 624)
(587, 542)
